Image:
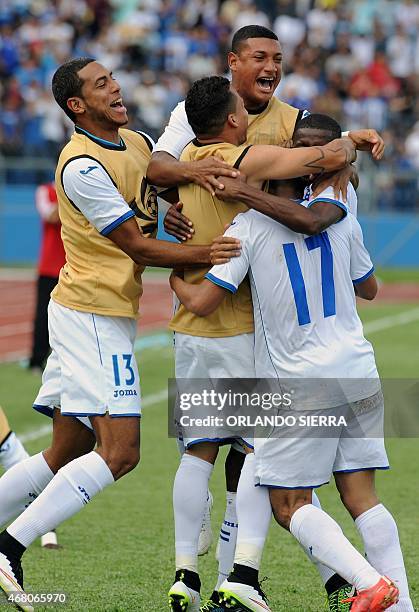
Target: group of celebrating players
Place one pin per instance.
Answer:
(277, 303)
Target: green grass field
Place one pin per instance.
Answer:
(117, 554)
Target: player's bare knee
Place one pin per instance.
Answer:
(207, 451)
(285, 503)
(120, 463)
(358, 502)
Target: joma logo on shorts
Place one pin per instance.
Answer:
(124, 392)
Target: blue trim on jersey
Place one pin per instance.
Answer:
(264, 332)
(107, 230)
(248, 444)
(97, 339)
(363, 469)
(46, 410)
(360, 280)
(225, 539)
(227, 533)
(221, 283)
(108, 143)
(338, 203)
(293, 488)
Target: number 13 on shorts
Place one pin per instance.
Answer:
(123, 371)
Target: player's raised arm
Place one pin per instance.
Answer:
(264, 162)
(165, 169)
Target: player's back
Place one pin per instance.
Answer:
(306, 320)
(210, 217)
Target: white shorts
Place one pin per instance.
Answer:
(229, 357)
(92, 368)
(309, 462)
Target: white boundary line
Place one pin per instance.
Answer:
(403, 318)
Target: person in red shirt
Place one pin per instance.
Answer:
(51, 260)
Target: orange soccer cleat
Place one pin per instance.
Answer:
(378, 597)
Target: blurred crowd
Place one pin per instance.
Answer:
(357, 60)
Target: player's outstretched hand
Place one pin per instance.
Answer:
(208, 172)
(231, 189)
(176, 224)
(223, 248)
(368, 140)
(338, 180)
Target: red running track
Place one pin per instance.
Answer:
(17, 305)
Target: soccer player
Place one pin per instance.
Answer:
(221, 345)
(307, 326)
(90, 385)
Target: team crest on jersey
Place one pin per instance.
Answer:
(149, 198)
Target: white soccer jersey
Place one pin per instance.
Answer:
(327, 195)
(88, 185)
(306, 322)
(177, 133)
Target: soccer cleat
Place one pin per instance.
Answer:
(243, 597)
(336, 599)
(379, 597)
(205, 536)
(11, 581)
(213, 604)
(182, 597)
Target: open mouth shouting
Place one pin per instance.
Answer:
(266, 84)
(118, 106)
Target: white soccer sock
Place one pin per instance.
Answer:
(20, 485)
(190, 491)
(227, 540)
(379, 533)
(325, 572)
(254, 514)
(12, 451)
(71, 488)
(321, 535)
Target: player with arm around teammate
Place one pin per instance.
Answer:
(219, 118)
(289, 290)
(90, 384)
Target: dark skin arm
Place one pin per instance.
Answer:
(200, 299)
(164, 170)
(152, 252)
(308, 221)
(367, 289)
